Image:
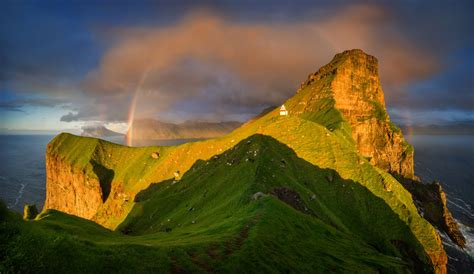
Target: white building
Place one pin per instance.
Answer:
(283, 111)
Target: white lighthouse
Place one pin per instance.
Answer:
(283, 111)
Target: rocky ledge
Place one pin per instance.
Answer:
(430, 200)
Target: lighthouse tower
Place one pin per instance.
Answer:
(283, 111)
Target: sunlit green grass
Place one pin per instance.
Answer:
(197, 223)
(207, 220)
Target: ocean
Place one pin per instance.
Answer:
(447, 159)
(450, 160)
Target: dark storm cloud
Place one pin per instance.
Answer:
(70, 117)
(207, 57)
(451, 89)
(227, 59)
(17, 105)
(42, 51)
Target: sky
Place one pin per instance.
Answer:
(69, 64)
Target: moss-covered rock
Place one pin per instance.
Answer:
(30, 212)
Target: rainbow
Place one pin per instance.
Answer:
(133, 106)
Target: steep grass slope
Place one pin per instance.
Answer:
(325, 149)
(131, 190)
(237, 212)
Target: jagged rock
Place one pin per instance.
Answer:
(30, 212)
(292, 198)
(430, 200)
(69, 190)
(353, 85)
(155, 155)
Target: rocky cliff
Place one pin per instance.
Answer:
(71, 190)
(337, 124)
(80, 175)
(430, 200)
(350, 84)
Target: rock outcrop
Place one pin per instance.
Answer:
(30, 212)
(69, 190)
(336, 116)
(350, 83)
(430, 200)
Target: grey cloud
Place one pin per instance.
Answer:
(17, 105)
(229, 62)
(233, 67)
(70, 117)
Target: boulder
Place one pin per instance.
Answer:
(257, 195)
(30, 212)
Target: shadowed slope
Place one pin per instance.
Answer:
(311, 142)
(319, 129)
(211, 220)
(217, 196)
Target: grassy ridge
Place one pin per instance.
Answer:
(208, 220)
(313, 142)
(323, 207)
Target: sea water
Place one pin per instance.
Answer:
(450, 160)
(447, 159)
(23, 171)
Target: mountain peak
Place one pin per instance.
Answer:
(354, 52)
(346, 94)
(98, 131)
(150, 129)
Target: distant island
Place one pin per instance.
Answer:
(98, 132)
(458, 128)
(151, 129)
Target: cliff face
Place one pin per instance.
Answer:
(337, 115)
(149, 129)
(350, 83)
(69, 190)
(430, 200)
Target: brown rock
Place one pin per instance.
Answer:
(430, 200)
(71, 191)
(351, 83)
(30, 212)
(360, 98)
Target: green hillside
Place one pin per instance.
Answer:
(280, 193)
(135, 170)
(211, 219)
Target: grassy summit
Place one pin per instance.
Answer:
(280, 193)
